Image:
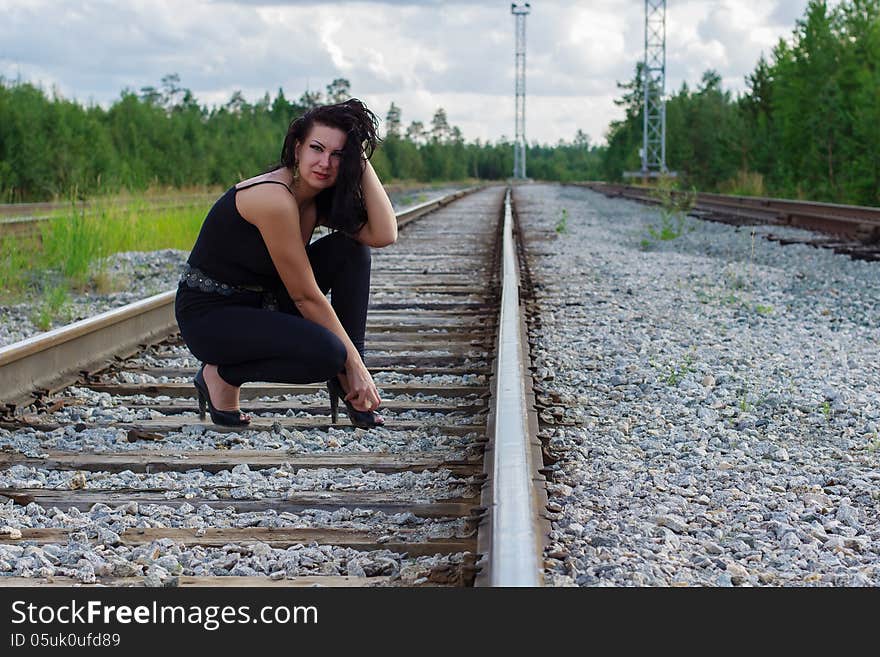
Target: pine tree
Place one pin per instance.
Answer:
(393, 121)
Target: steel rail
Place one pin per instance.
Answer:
(25, 219)
(515, 540)
(857, 222)
(52, 360)
(45, 208)
(56, 358)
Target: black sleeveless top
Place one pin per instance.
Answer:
(231, 249)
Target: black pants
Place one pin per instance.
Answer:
(251, 343)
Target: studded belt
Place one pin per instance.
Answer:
(198, 280)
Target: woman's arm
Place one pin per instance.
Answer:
(381, 227)
(274, 212)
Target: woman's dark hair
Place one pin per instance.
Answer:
(340, 207)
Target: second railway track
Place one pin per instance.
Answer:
(847, 229)
(114, 480)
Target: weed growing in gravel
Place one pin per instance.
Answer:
(53, 306)
(675, 205)
(826, 409)
(105, 282)
(562, 223)
(670, 228)
(735, 280)
(677, 371)
(702, 296)
(735, 289)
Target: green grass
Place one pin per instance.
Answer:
(16, 259)
(71, 250)
(675, 204)
(562, 223)
(671, 227)
(674, 372)
(678, 371)
(744, 183)
(70, 244)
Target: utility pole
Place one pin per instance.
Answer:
(520, 10)
(654, 145)
(653, 151)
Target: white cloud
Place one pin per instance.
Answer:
(422, 55)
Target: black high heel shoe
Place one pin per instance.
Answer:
(360, 419)
(225, 418)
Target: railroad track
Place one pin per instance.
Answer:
(109, 477)
(851, 230)
(24, 219)
(11, 211)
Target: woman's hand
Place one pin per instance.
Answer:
(381, 227)
(362, 391)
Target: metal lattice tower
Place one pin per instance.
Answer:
(654, 146)
(520, 10)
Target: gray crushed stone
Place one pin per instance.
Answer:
(714, 400)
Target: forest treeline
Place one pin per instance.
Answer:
(52, 147)
(807, 126)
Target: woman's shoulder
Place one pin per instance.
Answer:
(258, 202)
(263, 181)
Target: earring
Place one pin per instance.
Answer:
(295, 170)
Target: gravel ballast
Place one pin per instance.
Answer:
(713, 400)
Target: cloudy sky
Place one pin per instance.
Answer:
(421, 55)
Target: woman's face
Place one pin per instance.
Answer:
(319, 156)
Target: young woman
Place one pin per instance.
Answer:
(251, 302)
